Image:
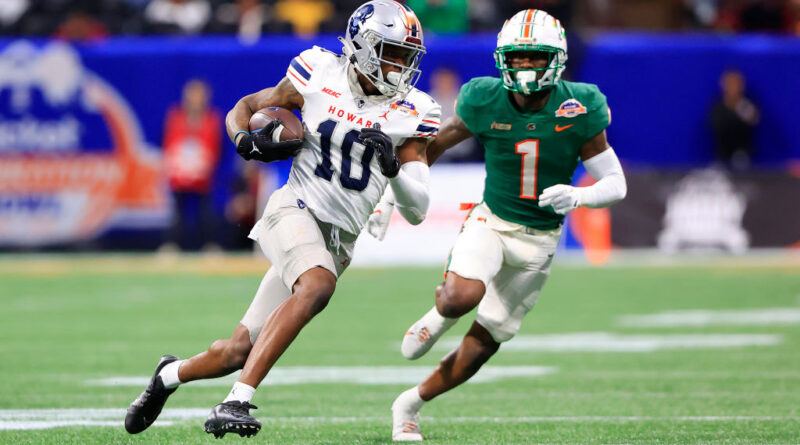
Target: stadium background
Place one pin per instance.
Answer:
(85, 87)
(659, 62)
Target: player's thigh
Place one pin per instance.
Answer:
(270, 294)
(477, 253)
(516, 287)
(291, 238)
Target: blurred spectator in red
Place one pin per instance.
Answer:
(444, 87)
(178, 16)
(192, 139)
(733, 119)
(441, 16)
(306, 16)
(80, 25)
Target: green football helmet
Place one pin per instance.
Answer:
(537, 31)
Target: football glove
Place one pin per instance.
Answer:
(564, 198)
(261, 146)
(384, 150)
(378, 222)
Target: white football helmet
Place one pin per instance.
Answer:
(531, 30)
(374, 26)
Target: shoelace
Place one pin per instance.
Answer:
(240, 405)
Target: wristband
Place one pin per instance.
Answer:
(237, 134)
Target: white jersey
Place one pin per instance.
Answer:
(336, 176)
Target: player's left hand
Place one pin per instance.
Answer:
(378, 222)
(384, 150)
(564, 198)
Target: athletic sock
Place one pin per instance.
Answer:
(437, 322)
(169, 374)
(411, 400)
(241, 392)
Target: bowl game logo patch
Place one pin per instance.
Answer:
(406, 106)
(570, 108)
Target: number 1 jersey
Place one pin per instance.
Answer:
(528, 152)
(337, 177)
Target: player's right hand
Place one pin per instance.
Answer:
(378, 222)
(262, 146)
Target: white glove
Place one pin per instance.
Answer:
(378, 222)
(564, 198)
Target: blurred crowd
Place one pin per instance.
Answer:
(96, 19)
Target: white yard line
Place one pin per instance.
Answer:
(698, 318)
(363, 375)
(609, 342)
(29, 419)
(779, 375)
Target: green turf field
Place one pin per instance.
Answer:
(77, 335)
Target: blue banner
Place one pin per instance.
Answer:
(81, 126)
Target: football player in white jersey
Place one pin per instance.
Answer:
(366, 132)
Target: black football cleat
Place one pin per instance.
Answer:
(146, 408)
(232, 417)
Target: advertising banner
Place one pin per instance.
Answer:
(72, 156)
(708, 209)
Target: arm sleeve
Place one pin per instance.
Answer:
(410, 189)
(610, 187)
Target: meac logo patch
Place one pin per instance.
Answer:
(570, 108)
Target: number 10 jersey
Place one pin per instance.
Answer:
(336, 176)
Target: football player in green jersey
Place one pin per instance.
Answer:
(535, 128)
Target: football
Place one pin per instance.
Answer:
(292, 127)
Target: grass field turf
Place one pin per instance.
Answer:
(65, 322)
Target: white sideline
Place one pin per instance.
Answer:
(30, 419)
(608, 342)
(363, 375)
(697, 318)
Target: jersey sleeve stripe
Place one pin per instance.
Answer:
(430, 122)
(425, 128)
(291, 72)
(300, 70)
(304, 63)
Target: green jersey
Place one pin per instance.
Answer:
(529, 152)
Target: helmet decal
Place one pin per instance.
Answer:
(359, 17)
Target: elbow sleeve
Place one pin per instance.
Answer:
(610, 187)
(410, 189)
